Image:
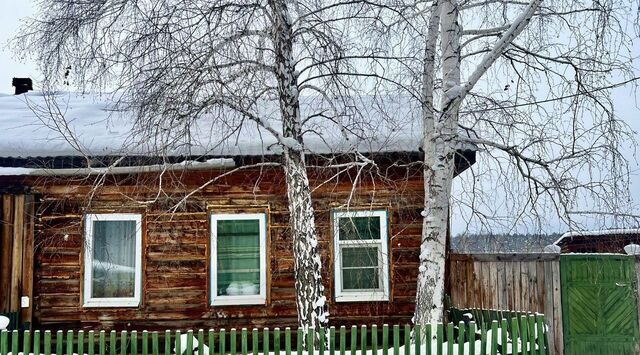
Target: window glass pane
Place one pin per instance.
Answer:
(114, 259)
(358, 228)
(359, 279)
(238, 257)
(360, 257)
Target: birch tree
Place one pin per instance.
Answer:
(528, 83)
(215, 66)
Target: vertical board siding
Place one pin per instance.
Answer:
(523, 282)
(16, 254)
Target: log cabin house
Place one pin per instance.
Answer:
(86, 243)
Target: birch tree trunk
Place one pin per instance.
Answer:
(310, 299)
(438, 145)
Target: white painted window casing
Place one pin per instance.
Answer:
(88, 299)
(381, 293)
(239, 298)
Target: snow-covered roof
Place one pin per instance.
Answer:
(597, 233)
(29, 129)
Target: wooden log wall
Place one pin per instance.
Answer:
(175, 270)
(520, 282)
(16, 254)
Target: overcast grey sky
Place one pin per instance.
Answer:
(12, 11)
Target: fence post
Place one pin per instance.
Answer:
(80, 342)
(287, 341)
(222, 340)
(15, 341)
(189, 348)
(385, 339)
(354, 339)
(265, 340)
(201, 343)
(178, 345)
(374, 340)
(311, 333)
(112, 343)
(524, 334)
(541, 335)
(232, 342)
(439, 338)
(155, 343)
(342, 340)
(332, 341)
(167, 342)
(322, 337)
(244, 338)
(407, 339)
(276, 341)
(102, 343)
(91, 343)
(461, 327)
(532, 333)
(4, 342)
(255, 338)
(36, 342)
(363, 340)
(145, 342)
(472, 337)
(450, 338)
(70, 343)
(26, 342)
(134, 343)
(417, 338)
(212, 344)
(47, 342)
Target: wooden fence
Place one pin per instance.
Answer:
(16, 254)
(518, 282)
(524, 335)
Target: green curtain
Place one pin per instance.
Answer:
(114, 259)
(238, 257)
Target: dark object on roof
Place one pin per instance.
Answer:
(22, 85)
(604, 241)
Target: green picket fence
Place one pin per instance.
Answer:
(525, 335)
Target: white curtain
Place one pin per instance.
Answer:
(114, 251)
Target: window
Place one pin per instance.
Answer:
(361, 259)
(112, 260)
(238, 259)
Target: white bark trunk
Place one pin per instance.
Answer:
(439, 138)
(310, 299)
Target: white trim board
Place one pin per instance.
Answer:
(361, 295)
(89, 301)
(227, 300)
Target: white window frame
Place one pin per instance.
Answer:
(227, 300)
(90, 301)
(383, 244)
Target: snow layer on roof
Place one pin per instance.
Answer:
(30, 126)
(597, 233)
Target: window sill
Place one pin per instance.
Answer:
(238, 300)
(107, 303)
(362, 297)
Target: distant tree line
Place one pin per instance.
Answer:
(502, 243)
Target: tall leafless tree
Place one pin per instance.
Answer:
(217, 66)
(529, 84)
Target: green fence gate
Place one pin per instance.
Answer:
(599, 311)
